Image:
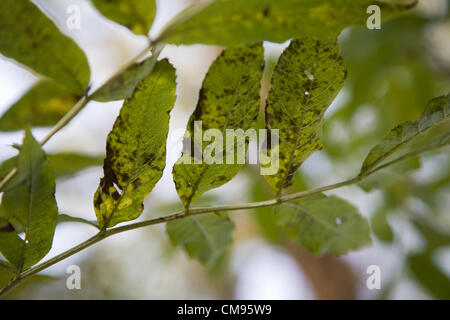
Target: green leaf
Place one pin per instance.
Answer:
(30, 202)
(429, 276)
(204, 237)
(381, 227)
(436, 112)
(42, 106)
(229, 99)
(122, 86)
(136, 148)
(309, 75)
(136, 15)
(29, 37)
(237, 22)
(63, 164)
(324, 225)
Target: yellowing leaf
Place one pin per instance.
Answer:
(204, 237)
(30, 201)
(136, 15)
(136, 148)
(43, 105)
(29, 37)
(324, 225)
(307, 78)
(229, 99)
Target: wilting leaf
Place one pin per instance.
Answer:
(324, 225)
(122, 86)
(136, 148)
(62, 164)
(236, 22)
(229, 99)
(29, 37)
(43, 105)
(31, 203)
(307, 78)
(436, 112)
(136, 15)
(381, 227)
(205, 237)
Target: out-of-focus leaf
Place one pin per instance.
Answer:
(43, 105)
(122, 86)
(307, 78)
(136, 15)
(229, 99)
(236, 22)
(7, 275)
(63, 164)
(136, 148)
(324, 225)
(435, 238)
(381, 227)
(29, 37)
(66, 218)
(31, 202)
(429, 276)
(436, 112)
(204, 237)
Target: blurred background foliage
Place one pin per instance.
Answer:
(393, 73)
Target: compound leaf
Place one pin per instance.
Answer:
(204, 237)
(308, 76)
(324, 225)
(136, 15)
(229, 99)
(136, 148)
(29, 37)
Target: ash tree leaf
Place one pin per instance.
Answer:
(229, 100)
(136, 15)
(436, 112)
(122, 86)
(308, 76)
(31, 203)
(237, 22)
(63, 164)
(42, 106)
(204, 237)
(136, 148)
(324, 225)
(29, 37)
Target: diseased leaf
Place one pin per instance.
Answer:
(204, 237)
(29, 37)
(122, 86)
(62, 164)
(308, 76)
(136, 148)
(237, 22)
(229, 99)
(42, 106)
(436, 112)
(324, 225)
(136, 15)
(31, 203)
